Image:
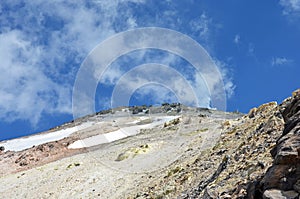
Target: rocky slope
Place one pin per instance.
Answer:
(200, 153)
(232, 167)
(282, 179)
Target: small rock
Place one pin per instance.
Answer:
(252, 113)
(226, 123)
(226, 196)
(261, 164)
(209, 194)
(297, 186)
(290, 194)
(2, 148)
(278, 194)
(272, 194)
(221, 151)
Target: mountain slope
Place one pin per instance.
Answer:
(171, 151)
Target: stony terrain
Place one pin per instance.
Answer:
(282, 179)
(201, 153)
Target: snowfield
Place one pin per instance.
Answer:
(20, 144)
(120, 133)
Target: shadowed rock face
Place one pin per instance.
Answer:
(284, 175)
(201, 154)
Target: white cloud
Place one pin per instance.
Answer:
(163, 83)
(226, 73)
(201, 26)
(131, 22)
(204, 28)
(236, 39)
(155, 93)
(41, 50)
(251, 49)
(44, 42)
(115, 71)
(26, 92)
(209, 80)
(290, 7)
(278, 61)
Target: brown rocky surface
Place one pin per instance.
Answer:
(12, 162)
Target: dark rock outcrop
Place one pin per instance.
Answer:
(282, 179)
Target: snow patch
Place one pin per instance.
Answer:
(119, 134)
(20, 144)
(139, 120)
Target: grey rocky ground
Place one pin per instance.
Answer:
(201, 154)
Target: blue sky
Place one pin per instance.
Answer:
(255, 45)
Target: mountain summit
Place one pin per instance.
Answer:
(171, 151)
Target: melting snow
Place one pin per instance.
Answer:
(119, 134)
(20, 144)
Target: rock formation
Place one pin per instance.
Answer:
(282, 179)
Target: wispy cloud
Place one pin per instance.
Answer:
(279, 61)
(201, 25)
(42, 49)
(26, 91)
(290, 7)
(226, 73)
(236, 39)
(163, 83)
(251, 49)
